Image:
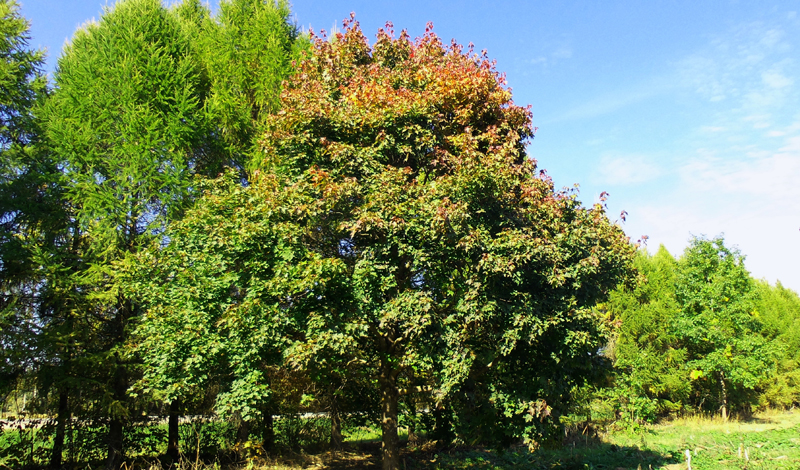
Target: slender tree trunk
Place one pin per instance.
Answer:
(173, 434)
(412, 420)
(389, 397)
(336, 424)
(115, 430)
(268, 436)
(61, 425)
(243, 431)
(724, 393)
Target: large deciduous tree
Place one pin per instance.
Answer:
(397, 226)
(466, 271)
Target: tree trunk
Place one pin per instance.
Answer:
(61, 425)
(724, 396)
(412, 420)
(173, 434)
(243, 431)
(336, 425)
(115, 429)
(389, 397)
(268, 433)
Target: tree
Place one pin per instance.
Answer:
(245, 51)
(404, 231)
(22, 85)
(649, 359)
(248, 52)
(127, 121)
(717, 325)
(778, 310)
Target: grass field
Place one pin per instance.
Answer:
(767, 441)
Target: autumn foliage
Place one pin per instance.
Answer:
(466, 275)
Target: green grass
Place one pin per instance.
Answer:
(768, 441)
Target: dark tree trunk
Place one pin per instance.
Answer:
(389, 397)
(173, 435)
(243, 431)
(115, 429)
(336, 425)
(412, 420)
(268, 433)
(61, 425)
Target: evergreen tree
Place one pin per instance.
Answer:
(649, 359)
(778, 309)
(246, 52)
(127, 122)
(22, 174)
(38, 240)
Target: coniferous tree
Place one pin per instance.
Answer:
(38, 239)
(246, 51)
(127, 122)
(22, 172)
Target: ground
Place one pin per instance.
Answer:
(766, 441)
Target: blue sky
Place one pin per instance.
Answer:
(686, 112)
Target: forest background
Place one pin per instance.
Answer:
(217, 215)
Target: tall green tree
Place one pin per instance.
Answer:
(691, 337)
(22, 85)
(778, 310)
(127, 121)
(396, 225)
(649, 358)
(38, 241)
(246, 51)
(717, 324)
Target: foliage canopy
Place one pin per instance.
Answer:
(422, 247)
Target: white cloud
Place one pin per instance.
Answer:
(764, 174)
(626, 170)
(562, 52)
(775, 79)
(754, 201)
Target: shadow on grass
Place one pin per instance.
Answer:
(599, 456)
(596, 455)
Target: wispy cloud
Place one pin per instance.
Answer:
(626, 170)
(615, 100)
(551, 54)
(739, 170)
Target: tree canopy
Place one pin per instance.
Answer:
(691, 336)
(422, 244)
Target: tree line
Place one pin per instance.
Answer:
(215, 214)
(697, 334)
